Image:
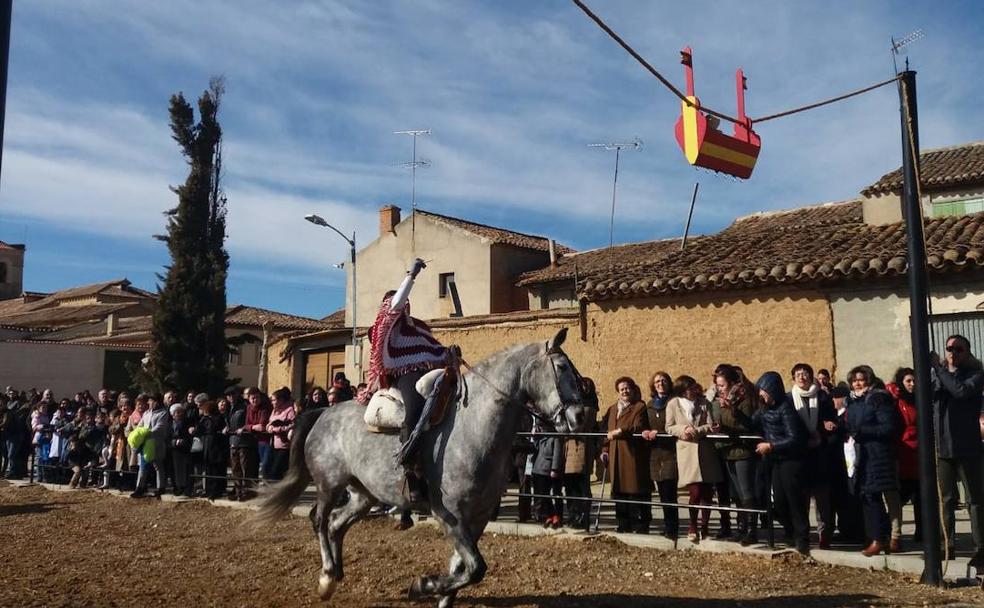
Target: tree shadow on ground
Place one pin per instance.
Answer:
(655, 601)
(31, 508)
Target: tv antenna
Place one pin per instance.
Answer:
(901, 43)
(636, 144)
(412, 165)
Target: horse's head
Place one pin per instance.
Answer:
(551, 383)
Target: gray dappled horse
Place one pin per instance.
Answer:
(465, 460)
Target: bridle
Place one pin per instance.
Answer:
(548, 354)
(549, 351)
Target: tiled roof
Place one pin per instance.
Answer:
(799, 246)
(117, 287)
(96, 329)
(63, 315)
(940, 168)
(619, 258)
(498, 235)
(11, 246)
(250, 315)
(335, 319)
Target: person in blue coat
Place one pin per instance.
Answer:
(785, 447)
(872, 421)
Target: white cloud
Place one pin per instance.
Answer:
(513, 92)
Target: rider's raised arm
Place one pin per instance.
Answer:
(403, 293)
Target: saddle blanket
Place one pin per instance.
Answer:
(385, 412)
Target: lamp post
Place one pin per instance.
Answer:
(357, 360)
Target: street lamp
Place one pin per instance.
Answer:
(320, 221)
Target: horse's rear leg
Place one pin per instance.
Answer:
(334, 524)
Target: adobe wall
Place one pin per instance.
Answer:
(691, 335)
(679, 335)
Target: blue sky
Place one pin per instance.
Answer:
(513, 91)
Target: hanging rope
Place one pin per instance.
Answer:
(826, 101)
(721, 115)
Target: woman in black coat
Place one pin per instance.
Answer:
(785, 447)
(215, 450)
(872, 421)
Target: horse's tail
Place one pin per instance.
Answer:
(279, 498)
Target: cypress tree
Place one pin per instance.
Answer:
(190, 348)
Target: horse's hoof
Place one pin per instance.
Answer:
(417, 590)
(326, 586)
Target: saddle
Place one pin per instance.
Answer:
(385, 412)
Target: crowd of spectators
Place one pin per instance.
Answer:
(851, 448)
(193, 445)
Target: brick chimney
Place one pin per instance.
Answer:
(389, 217)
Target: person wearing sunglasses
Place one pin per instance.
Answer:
(958, 382)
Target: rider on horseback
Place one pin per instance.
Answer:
(403, 349)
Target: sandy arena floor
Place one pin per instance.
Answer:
(87, 549)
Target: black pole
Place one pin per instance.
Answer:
(919, 321)
(686, 231)
(6, 7)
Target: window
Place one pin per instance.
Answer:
(970, 205)
(445, 280)
(3, 272)
(234, 355)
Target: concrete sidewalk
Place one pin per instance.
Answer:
(909, 562)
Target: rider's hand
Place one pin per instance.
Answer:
(418, 265)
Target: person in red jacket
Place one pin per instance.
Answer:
(907, 454)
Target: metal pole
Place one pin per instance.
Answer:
(6, 7)
(686, 231)
(919, 321)
(356, 358)
(601, 496)
(611, 224)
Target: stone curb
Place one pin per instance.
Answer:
(907, 564)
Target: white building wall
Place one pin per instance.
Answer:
(64, 368)
(872, 326)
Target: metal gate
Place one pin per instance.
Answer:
(968, 324)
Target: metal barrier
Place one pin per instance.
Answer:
(767, 511)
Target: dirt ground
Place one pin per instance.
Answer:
(89, 549)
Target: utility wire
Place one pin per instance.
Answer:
(683, 98)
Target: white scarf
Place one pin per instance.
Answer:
(690, 409)
(622, 406)
(806, 405)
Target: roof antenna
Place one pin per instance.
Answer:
(686, 231)
(412, 165)
(898, 45)
(633, 145)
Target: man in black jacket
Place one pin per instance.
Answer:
(958, 383)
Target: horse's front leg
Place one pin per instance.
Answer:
(467, 567)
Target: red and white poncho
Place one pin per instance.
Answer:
(401, 344)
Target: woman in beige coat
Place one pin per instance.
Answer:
(688, 418)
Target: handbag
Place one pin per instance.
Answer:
(197, 445)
